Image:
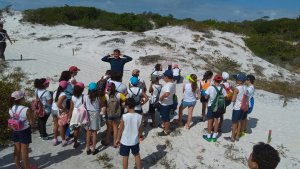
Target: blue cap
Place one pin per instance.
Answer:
(134, 80)
(92, 86)
(240, 76)
(168, 73)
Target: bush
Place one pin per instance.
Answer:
(226, 64)
(150, 59)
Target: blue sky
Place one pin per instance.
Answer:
(226, 10)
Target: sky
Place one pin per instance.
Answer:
(224, 10)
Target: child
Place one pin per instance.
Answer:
(76, 102)
(93, 107)
(229, 92)
(60, 112)
(73, 70)
(190, 96)
(21, 136)
(263, 156)
(113, 114)
(176, 73)
(129, 133)
(166, 101)
(141, 83)
(250, 92)
(138, 94)
(155, 89)
(157, 71)
(213, 116)
(237, 97)
(205, 83)
(46, 99)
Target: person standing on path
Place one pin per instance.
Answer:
(3, 37)
(117, 62)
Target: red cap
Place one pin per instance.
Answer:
(218, 78)
(74, 69)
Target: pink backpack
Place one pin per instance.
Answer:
(83, 117)
(245, 103)
(37, 106)
(14, 122)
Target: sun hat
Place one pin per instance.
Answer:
(92, 86)
(134, 80)
(168, 73)
(225, 75)
(64, 84)
(240, 77)
(80, 84)
(218, 78)
(18, 95)
(74, 69)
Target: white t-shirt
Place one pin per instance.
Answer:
(212, 92)
(120, 87)
(132, 123)
(176, 72)
(135, 92)
(189, 95)
(238, 102)
(94, 106)
(170, 88)
(46, 96)
(54, 104)
(22, 116)
(77, 101)
(156, 91)
(250, 91)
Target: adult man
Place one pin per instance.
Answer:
(116, 61)
(3, 37)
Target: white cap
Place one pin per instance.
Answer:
(225, 75)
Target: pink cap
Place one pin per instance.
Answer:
(74, 69)
(18, 95)
(80, 84)
(47, 81)
(63, 84)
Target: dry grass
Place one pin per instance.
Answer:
(167, 164)
(151, 41)
(114, 40)
(104, 160)
(43, 39)
(212, 43)
(232, 153)
(284, 88)
(150, 59)
(258, 70)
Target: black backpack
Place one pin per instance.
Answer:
(136, 97)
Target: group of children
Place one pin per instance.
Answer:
(122, 107)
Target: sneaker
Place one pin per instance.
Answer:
(95, 151)
(76, 145)
(214, 140)
(55, 142)
(163, 133)
(206, 138)
(45, 138)
(88, 152)
(65, 143)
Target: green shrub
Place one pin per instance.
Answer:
(150, 59)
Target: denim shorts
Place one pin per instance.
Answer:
(185, 104)
(211, 115)
(23, 136)
(165, 112)
(125, 150)
(236, 116)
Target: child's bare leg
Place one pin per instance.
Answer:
(88, 139)
(55, 127)
(94, 133)
(115, 128)
(239, 126)
(62, 132)
(17, 153)
(180, 112)
(125, 162)
(138, 161)
(234, 130)
(25, 158)
(216, 125)
(190, 116)
(203, 109)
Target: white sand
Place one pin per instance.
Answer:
(188, 149)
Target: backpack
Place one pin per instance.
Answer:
(156, 103)
(83, 116)
(15, 122)
(229, 92)
(136, 97)
(113, 106)
(37, 106)
(205, 85)
(245, 102)
(153, 76)
(218, 104)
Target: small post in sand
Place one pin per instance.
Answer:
(73, 51)
(21, 57)
(270, 136)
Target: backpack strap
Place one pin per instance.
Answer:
(218, 91)
(19, 112)
(157, 97)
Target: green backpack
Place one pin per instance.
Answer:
(218, 104)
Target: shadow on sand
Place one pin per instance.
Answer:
(152, 159)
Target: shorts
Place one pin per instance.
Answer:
(227, 102)
(203, 99)
(185, 104)
(211, 115)
(124, 150)
(176, 78)
(236, 116)
(68, 104)
(244, 115)
(23, 136)
(113, 118)
(165, 112)
(139, 111)
(151, 109)
(54, 113)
